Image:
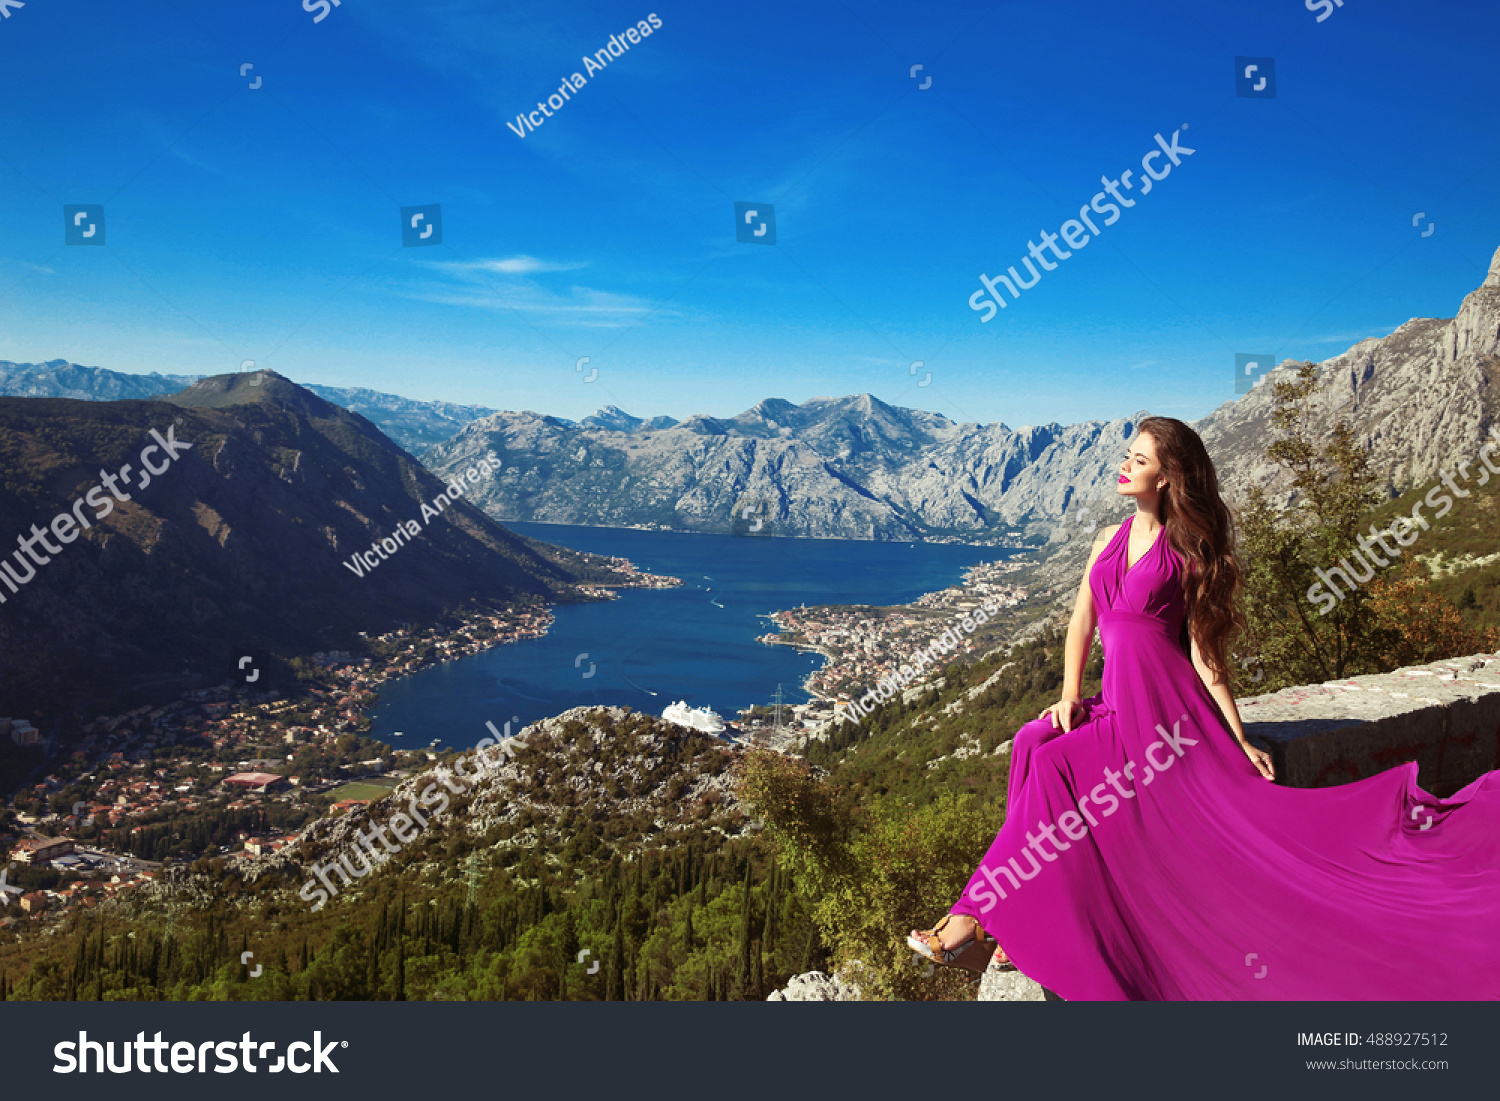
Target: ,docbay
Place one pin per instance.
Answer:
(650, 648)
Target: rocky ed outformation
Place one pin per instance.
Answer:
(1444, 715)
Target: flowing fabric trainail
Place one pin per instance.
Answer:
(1144, 857)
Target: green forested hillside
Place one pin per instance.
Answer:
(945, 741)
(611, 836)
(1461, 551)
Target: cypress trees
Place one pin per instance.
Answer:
(80, 968)
(743, 985)
(615, 983)
(807, 951)
(372, 971)
(769, 930)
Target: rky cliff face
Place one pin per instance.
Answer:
(1421, 399)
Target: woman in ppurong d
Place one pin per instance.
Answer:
(1147, 852)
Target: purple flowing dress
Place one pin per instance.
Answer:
(1144, 857)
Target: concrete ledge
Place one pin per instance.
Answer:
(1444, 715)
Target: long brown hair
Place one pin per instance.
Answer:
(1200, 528)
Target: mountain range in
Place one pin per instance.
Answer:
(858, 468)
